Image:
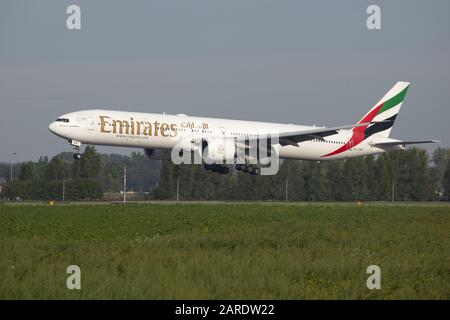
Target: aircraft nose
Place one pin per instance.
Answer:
(52, 127)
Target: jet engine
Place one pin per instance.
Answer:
(218, 150)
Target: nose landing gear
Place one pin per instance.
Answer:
(77, 156)
(76, 148)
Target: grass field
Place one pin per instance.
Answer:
(224, 251)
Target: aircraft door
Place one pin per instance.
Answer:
(91, 123)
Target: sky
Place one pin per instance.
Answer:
(304, 62)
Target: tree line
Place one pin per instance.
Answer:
(85, 179)
(409, 175)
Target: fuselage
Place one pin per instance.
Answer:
(163, 131)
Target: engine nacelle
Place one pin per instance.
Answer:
(219, 150)
(157, 154)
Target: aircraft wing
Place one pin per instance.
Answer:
(293, 138)
(401, 142)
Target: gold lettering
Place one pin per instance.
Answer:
(156, 128)
(173, 127)
(103, 123)
(121, 125)
(164, 127)
(132, 125)
(147, 129)
(138, 127)
(135, 127)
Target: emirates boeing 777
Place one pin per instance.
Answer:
(159, 134)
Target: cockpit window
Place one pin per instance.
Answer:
(62, 120)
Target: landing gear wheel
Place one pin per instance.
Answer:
(250, 169)
(208, 166)
(76, 149)
(217, 168)
(224, 170)
(257, 171)
(244, 168)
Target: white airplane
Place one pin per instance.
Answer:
(158, 134)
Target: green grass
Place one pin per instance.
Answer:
(224, 251)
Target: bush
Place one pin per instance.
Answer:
(76, 189)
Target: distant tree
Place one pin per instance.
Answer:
(220, 186)
(88, 166)
(334, 177)
(142, 172)
(354, 179)
(18, 189)
(43, 159)
(165, 187)
(440, 158)
(200, 186)
(28, 171)
(57, 169)
(273, 187)
(84, 189)
(314, 181)
(410, 172)
(446, 181)
(380, 184)
(295, 180)
(243, 187)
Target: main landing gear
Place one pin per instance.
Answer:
(217, 168)
(254, 171)
(76, 148)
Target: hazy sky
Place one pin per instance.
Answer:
(305, 62)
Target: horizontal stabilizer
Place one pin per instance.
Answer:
(401, 143)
